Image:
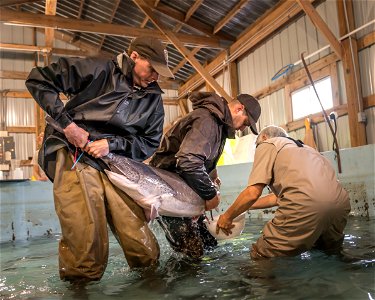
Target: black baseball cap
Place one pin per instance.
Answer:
(154, 50)
(253, 110)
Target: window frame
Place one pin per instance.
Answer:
(328, 71)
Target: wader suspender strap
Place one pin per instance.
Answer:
(299, 143)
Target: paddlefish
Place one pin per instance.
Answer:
(157, 191)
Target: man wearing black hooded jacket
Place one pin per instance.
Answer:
(114, 106)
(192, 148)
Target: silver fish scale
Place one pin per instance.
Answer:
(141, 174)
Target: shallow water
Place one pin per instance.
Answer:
(29, 270)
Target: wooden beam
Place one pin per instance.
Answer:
(170, 101)
(192, 9)
(169, 84)
(37, 20)
(357, 126)
(25, 48)
(5, 3)
(50, 9)
(319, 23)
(233, 79)
(341, 110)
(183, 107)
(145, 20)
(80, 10)
(115, 7)
(230, 15)
(31, 48)
(17, 94)
(369, 101)
(193, 23)
(21, 129)
(24, 94)
(15, 75)
(366, 41)
(183, 62)
(317, 117)
(183, 50)
(266, 25)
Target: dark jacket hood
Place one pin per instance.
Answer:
(218, 107)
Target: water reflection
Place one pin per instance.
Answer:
(29, 270)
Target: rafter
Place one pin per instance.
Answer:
(80, 10)
(115, 7)
(33, 20)
(183, 62)
(192, 9)
(191, 23)
(234, 11)
(5, 3)
(183, 50)
(145, 20)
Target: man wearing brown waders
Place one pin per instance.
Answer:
(313, 206)
(114, 105)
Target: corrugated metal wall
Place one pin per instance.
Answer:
(172, 112)
(20, 112)
(256, 69)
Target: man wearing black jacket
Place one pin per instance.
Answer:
(114, 106)
(192, 148)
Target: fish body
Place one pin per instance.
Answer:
(157, 191)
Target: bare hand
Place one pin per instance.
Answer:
(98, 149)
(225, 224)
(212, 203)
(76, 135)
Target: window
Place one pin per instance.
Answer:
(305, 102)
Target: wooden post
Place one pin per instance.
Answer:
(233, 78)
(357, 127)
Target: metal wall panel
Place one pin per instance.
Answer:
(20, 112)
(366, 59)
(172, 112)
(364, 12)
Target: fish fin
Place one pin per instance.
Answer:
(154, 211)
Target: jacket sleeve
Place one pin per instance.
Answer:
(68, 76)
(195, 148)
(141, 146)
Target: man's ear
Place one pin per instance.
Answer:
(240, 107)
(134, 55)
